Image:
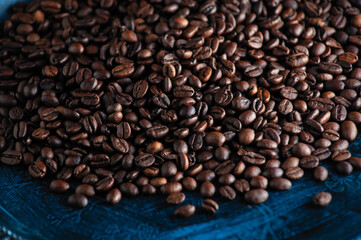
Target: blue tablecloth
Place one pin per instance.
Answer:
(29, 211)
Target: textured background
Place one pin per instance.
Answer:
(30, 211)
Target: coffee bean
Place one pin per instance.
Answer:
(11, 157)
(280, 184)
(189, 183)
(129, 189)
(85, 189)
(322, 199)
(59, 186)
(227, 192)
(320, 173)
(207, 189)
(344, 168)
(294, 173)
(144, 160)
(37, 169)
(176, 198)
(77, 200)
(210, 206)
(209, 97)
(114, 196)
(185, 211)
(348, 130)
(242, 185)
(256, 196)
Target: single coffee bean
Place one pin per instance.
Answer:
(348, 130)
(37, 169)
(77, 200)
(114, 196)
(210, 206)
(11, 157)
(344, 168)
(322, 199)
(256, 196)
(320, 173)
(185, 211)
(280, 184)
(85, 189)
(59, 186)
(227, 192)
(176, 198)
(207, 189)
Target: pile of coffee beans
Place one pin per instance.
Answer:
(139, 97)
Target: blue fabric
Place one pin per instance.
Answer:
(28, 210)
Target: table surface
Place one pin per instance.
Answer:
(29, 211)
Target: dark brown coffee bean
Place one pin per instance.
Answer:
(105, 184)
(256, 196)
(348, 130)
(322, 199)
(294, 173)
(254, 158)
(280, 184)
(11, 157)
(227, 192)
(207, 189)
(320, 173)
(189, 183)
(114, 196)
(59, 186)
(85, 189)
(37, 169)
(129, 189)
(309, 162)
(355, 162)
(242, 185)
(344, 168)
(185, 211)
(77, 200)
(144, 160)
(176, 198)
(123, 70)
(210, 206)
(341, 155)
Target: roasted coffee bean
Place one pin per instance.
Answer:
(129, 189)
(59, 186)
(144, 160)
(172, 95)
(355, 162)
(105, 184)
(227, 192)
(294, 173)
(189, 183)
(256, 196)
(322, 199)
(280, 184)
(37, 169)
(210, 206)
(348, 130)
(185, 211)
(207, 189)
(85, 189)
(77, 200)
(114, 196)
(176, 198)
(11, 157)
(344, 168)
(320, 173)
